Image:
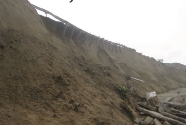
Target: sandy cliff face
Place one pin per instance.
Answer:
(46, 78)
(125, 61)
(177, 66)
(20, 15)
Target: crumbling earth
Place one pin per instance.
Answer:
(49, 79)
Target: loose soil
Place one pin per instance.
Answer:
(47, 79)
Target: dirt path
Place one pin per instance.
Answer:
(171, 93)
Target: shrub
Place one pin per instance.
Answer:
(122, 91)
(122, 88)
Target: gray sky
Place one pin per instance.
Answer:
(155, 28)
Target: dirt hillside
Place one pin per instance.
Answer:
(125, 61)
(177, 66)
(47, 79)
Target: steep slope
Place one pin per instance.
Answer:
(21, 16)
(177, 66)
(47, 78)
(44, 80)
(126, 61)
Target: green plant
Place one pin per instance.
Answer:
(122, 91)
(122, 88)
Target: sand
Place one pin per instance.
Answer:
(44, 76)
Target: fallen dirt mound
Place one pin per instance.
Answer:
(46, 78)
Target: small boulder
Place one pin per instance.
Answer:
(166, 123)
(148, 120)
(143, 123)
(157, 122)
(137, 120)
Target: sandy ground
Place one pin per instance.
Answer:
(48, 79)
(171, 93)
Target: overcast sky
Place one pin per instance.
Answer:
(156, 28)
